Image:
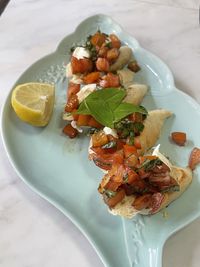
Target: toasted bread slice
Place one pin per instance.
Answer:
(182, 175)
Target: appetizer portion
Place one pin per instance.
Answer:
(100, 63)
(129, 138)
(145, 188)
(103, 97)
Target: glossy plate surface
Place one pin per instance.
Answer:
(58, 168)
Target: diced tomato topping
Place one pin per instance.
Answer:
(115, 41)
(132, 176)
(113, 186)
(81, 65)
(99, 139)
(142, 202)
(70, 131)
(98, 39)
(112, 54)
(110, 80)
(94, 123)
(102, 64)
(118, 157)
(112, 202)
(129, 150)
(105, 160)
(92, 77)
(72, 103)
(132, 160)
(83, 120)
(137, 143)
(156, 201)
(179, 138)
(194, 158)
(74, 115)
(73, 89)
(149, 157)
(103, 51)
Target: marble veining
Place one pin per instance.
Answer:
(29, 226)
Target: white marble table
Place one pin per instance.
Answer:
(32, 232)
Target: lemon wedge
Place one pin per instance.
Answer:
(33, 102)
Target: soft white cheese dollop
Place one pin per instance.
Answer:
(69, 70)
(110, 131)
(74, 125)
(85, 91)
(157, 153)
(80, 53)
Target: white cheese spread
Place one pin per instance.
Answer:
(80, 53)
(85, 91)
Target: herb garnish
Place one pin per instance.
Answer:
(106, 106)
(109, 193)
(111, 144)
(150, 164)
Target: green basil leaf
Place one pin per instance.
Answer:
(101, 112)
(83, 109)
(106, 106)
(125, 109)
(111, 96)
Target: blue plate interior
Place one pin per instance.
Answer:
(58, 168)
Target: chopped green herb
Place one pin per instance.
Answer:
(173, 188)
(131, 138)
(150, 164)
(111, 144)
(125, 177)
(93, 130)
(109, 44)
(109, 193)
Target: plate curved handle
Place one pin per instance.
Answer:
(143, 248)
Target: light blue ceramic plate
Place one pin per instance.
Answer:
(58, 169)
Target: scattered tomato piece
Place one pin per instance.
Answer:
(83, 120)
(132, 161)
(72, 103)
(102, 64)
(115, 41)
(149, 157)
(110, 80)
(81, 65)
(142, 202)
(132, 177)
(92, 77)
(112, 54)
(113, 186)
(70, 131)
(74, 115)
(137, 143)
(99, 139)
(194, 158)
(179, 138)
(98, 39)
(103, 51)
(73, 89)
(94, 123)
(129, 150)
(112, 202)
